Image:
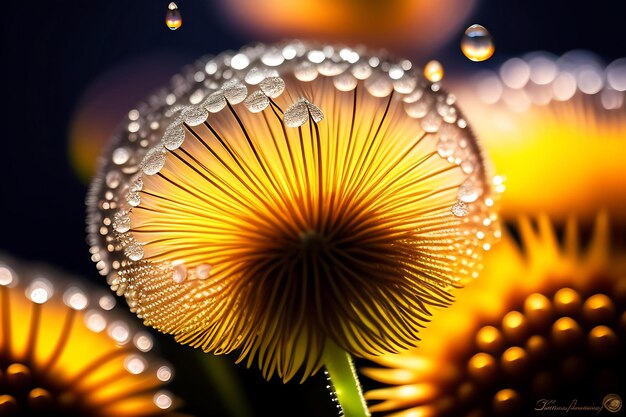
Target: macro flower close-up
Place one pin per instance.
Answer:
(313, 208)
(292, 196)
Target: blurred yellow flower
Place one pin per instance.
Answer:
(555, 128)
(405, 26)
(546, 320)
(287, 197)
(64, 353)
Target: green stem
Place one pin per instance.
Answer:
(345, 381)
(224, 380)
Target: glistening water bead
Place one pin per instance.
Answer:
(173, 18)
(433, 71)
(477, 43)
(281, 194)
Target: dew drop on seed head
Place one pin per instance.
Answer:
(460, 209)
(477, 43)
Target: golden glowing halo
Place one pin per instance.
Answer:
(286, 195)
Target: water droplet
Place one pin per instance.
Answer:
(362, 70)
(273, 86)
(240, 61)
(40, 291)
(469, 191)
(616, 74)
(75, 298)
(305, 71)
(406, 84)
(257, 101)
(431, 122)
(316, 56)
(433, 71)
(136, 183)
(164, 373)
(121, 222)
(113, 179)
(379, 85)
(133, 198)
(477, 43)
(215, 102)
(135, 364)
(330, 68)
(194, 115)
(173, 137)
(203, 271)
(179, 273)
(134, 251)
(153, 161)
(234, 91)
(273, 57)
(256, 75)
(297, 114)
(120, 156)
(316, 113)
(460, 209)
(345, 82)
(173, 19)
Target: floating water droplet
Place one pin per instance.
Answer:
(460, 209)
(179, 274)
(173, 137)
(173, 19)
(257, 101)
(203, 271)
(153, 161)
(273, 86)
(433, 71)
(477, 43)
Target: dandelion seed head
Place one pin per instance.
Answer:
(320, 193)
